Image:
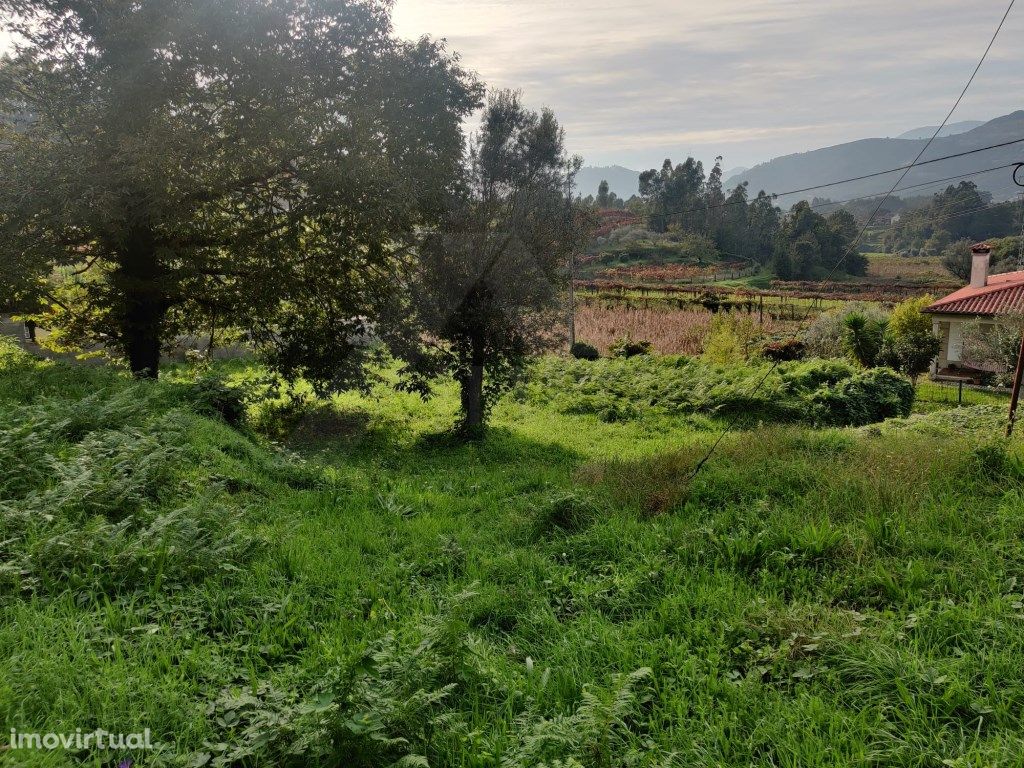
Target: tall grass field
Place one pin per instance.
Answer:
(362, 591)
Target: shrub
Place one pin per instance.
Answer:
(815, 391)
(995, 345)
(783, 351)
(908, 344)
(862, 338)
(865, 398)
(627, 347)
(212, 395)
(583, 351)
(731, 339)
(824, 337)
(911, 353)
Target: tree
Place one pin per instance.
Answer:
(842, 227)
(956, 258)
(674, 196)
(814, 244)
(908, 317)
(489, 282)
(910, 355)
(958, 212)
(714, 201)
(995, 345)
(226, 161)
(909, 346)
(602, 195)
(862, 338)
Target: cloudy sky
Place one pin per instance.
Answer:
(635, 81)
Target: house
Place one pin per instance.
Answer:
(986, 297)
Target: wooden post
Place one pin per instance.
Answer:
(572, 299)
(760, 309)
(1018, 374)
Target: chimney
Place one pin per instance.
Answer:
(979, 264)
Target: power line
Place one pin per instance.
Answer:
(957, 214)
(729, 427)
(827, 203)
(904, 168)
(1020, 242)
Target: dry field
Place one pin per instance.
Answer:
(898, 268)
(671, 331)
(669, 273)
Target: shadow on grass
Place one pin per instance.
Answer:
(352, 436)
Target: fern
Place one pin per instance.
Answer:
(604, 730)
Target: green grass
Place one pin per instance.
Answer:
(933, 395)
(761, 281)
(559, 594)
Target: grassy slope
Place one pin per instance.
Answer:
(815, 597)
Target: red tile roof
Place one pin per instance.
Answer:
(1003, 293)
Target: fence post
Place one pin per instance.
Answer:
(960, 393)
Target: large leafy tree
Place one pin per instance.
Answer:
(810, 245)
(488, 283)
(259, 163)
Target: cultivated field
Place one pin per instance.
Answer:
(670, 330)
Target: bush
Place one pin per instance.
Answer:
(212, 395)
(784, 351)
(627, 347)
(814, 391)
(865, 398)
(731, 339)
(824, 337)
(583, 351)
(862, 338)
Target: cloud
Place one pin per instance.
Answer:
(635, 82)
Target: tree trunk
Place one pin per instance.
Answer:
(472, 390)
(144, 304)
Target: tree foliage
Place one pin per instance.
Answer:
(959, 212)
(224, 161)
(800, 245)
(862, 338)
(488, 282)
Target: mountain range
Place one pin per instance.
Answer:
(622, 181)
(866, 156)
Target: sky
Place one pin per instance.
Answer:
(636, 81)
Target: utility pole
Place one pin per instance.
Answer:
(570, 215)
(1019, 373)
(1015, 396)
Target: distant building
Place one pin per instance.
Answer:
(982, 300)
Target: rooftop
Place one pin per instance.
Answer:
(1001, 294)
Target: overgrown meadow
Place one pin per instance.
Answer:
(366, 592)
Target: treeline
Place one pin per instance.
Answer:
(286, 171)
(957, 213)
(800, 244)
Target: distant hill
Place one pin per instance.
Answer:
(622, 181)
(949, 130)
(857, 158)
